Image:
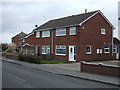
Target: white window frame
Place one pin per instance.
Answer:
(44, 33)
(60, 48)
(103, 31)
(23, 40)
(90, 49)
(37, 34)
(115, 48)
(72, 29)
(60, 30)
(46, 47)
(98, 51)
(108, 49)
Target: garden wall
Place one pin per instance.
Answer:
(100, 68)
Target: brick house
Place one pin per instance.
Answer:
(17, 39)
(87, 36)
(28, 44)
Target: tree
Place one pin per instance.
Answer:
(4, 46)
(11, 48)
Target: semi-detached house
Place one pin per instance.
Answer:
(82, 37)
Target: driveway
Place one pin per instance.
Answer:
(71, 66)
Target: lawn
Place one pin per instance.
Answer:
(52, 62)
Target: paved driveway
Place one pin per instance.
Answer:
(71, 66)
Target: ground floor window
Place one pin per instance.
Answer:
(107, 50)
(60, 50)
(88, 49)
(114, 49)
(45, 49)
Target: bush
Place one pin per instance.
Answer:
(49, 57)
(30, 58)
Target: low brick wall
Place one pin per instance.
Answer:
(10, 56)
(102, 69)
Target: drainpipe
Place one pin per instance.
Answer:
(52, 41)
(112, 41)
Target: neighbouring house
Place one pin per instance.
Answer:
(116, 48)
(17, 39)
(28, 44)
(83, 37)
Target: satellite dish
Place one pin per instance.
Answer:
(119, 18)
(36, 25)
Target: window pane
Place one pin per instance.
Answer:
(46, 33)
(45, 49)
(37, 34)
(61, 49)
(60, 32)
(106, 50)
(72, 30)
(102, 31)
(88, 50)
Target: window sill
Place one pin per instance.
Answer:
(46, 37)
(61, 54)
(60, 35)
(88, 53)
(72, 34)
(106, 52)
(102, 34)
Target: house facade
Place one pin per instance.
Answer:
(83, 37)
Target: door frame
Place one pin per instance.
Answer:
(74, 53)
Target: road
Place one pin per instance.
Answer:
(18, 76)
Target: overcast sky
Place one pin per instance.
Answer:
(23, 16)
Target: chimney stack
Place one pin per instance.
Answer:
(85, 10)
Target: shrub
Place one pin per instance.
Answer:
(49, 57)
(29, 58)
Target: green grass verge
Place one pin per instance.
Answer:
(52, 62)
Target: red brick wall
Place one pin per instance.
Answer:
(100, 69)
(15, 40)
(30, 39)
(91, 36)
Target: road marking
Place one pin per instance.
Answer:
(14, 76)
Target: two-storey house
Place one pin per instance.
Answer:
(87, 36)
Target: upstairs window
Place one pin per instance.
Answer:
(88, 49)
(46, 33)
(102, 31)
(72, 30)
(45, 49)
(107, 50)
(37, 34)
(61, 32)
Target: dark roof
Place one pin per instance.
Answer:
(116, 41)
(20, 35)
(66, 21)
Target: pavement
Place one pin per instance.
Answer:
(64, 69)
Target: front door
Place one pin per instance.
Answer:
(72, 53)
(38, 50)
